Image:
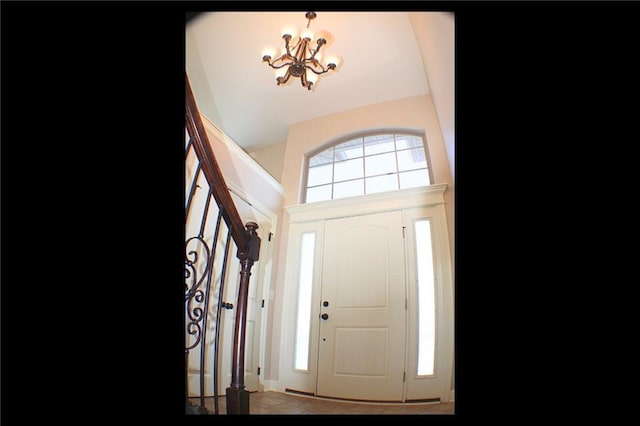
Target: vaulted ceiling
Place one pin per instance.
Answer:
(384, 56)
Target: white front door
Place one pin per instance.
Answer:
(389, 301)
(361, 348)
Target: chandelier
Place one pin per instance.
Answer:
(301, 59)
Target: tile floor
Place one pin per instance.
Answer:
(287, 403)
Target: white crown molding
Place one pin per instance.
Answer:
(239, 152)
(252, 201)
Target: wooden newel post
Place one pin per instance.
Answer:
(237, 397)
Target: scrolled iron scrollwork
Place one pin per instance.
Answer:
(196, 271)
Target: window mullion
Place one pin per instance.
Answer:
(364, 181)
(333, 171)
(395, 152)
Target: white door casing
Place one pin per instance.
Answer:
(418, 203)
(437, 385)
(301, 379)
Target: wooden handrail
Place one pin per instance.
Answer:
(212, 172)
(247, 242)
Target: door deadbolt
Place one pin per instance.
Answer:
(325, 303)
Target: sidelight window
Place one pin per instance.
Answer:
(303, 316)
(426, 298)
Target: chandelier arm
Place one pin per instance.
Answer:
(305, 83)
(277, 67)
(321, 42)
(287, 38)
(302, 48)
(324, 70)
(284, 79)
(312, 53)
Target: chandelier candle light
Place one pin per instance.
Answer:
(301, 59)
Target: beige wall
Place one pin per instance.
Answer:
(435, 33)
(198, 80)
(414, 113)
(270, 157)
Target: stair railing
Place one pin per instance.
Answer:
(200, 257)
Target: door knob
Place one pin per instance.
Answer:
(324, 316)
(227, 305)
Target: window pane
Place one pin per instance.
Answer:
(320, 174)
(397, 161)
(378, 144)
(350, 149)
(411, 159)
(322, 158)
(303, 317)
(408, 141)
(380, 164)
(318, 193)
(349, 169)
(414, 178)
(426, 297)
(348, 189)
(382, 183)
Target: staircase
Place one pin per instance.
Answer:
(212, 221)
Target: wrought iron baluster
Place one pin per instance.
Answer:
(194, 297)
(197, 315)
(203, 343)
(192, 190)
(216, 343)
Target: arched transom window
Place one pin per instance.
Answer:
(367, 164)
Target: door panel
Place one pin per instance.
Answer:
(362, 325)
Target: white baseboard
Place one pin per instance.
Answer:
(272, 385)
(452, 395)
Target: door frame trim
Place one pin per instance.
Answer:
(372, 203)
(331, 209)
